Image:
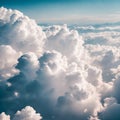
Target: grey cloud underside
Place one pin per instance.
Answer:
(58, 72)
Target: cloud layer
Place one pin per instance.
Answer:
(62, 72)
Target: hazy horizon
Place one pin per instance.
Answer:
(69, 12)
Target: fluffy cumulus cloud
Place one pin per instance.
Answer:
(66, 41)
(28, 113)
(18, 35)
(3, 116)
(62, 72)
(8, 59)
(20, 32)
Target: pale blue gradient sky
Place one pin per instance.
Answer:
(68, 11)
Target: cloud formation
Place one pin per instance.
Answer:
(63, 72)
(3, 116)
(27, 113)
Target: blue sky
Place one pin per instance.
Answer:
(67, 11)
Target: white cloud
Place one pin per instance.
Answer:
(28, 65)
(62, 73)
(20, 32)
(7, 61)
(28, 113)
(3, 116)
(63, 40)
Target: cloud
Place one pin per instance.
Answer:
(63, 40)
(8, 60)
(111, 110)
(18, 35)
(28, 65)
(62, 72)
(3, 116)
(28, 113)
(20, 32)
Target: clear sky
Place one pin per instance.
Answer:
(68, 11)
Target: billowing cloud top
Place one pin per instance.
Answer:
(62, 72)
